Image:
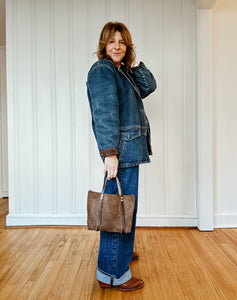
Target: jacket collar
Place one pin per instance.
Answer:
(125, 72)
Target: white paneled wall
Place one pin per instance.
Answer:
(225, 111)
(3, 125)
(53, 158)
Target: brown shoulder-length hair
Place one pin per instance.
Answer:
(107, 32)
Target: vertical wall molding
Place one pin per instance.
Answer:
(12, 107)
(165, 137)
(2, 53)
(185, 187)
(72, 102)
(89, 48)
(34, 97)
(15, 108)
(53, 104)
(205, 122)
(3, 125)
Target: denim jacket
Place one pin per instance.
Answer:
(119, 122)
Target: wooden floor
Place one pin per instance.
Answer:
(60, 263)
(3, 212)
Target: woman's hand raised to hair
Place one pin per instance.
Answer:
(111, 166)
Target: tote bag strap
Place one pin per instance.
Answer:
(122, 206)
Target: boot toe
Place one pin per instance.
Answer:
(131, 285)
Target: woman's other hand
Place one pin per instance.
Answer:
(111, 165)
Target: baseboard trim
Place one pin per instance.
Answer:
(167, 221)
(46, 219)
(225, 220)
(4, 195)
(81, 220)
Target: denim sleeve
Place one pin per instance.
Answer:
(104, 104)
(144, 80)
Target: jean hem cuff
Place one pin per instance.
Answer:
(105, 278)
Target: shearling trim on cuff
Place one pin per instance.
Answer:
(109, 152)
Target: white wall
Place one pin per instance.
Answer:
(3, 125)
(225, 112)
(2, 23)
(3, 106)
(53, 159)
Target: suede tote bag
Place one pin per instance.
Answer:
(110, 212)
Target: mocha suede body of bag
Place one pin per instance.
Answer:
(110, 212)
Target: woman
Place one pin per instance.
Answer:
(122, 132)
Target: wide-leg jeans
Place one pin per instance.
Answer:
(116, 249)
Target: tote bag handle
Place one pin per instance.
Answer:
(122, 206)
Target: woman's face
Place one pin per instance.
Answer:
(116, 48)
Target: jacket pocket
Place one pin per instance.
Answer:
(130, 134)
(133, 145)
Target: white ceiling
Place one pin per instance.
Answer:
(206, 4)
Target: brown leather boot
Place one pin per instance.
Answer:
(104, 285)
(131, 285)
(135, 256)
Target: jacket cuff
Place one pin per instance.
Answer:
(109, 152)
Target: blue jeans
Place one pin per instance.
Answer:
(116, 249)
